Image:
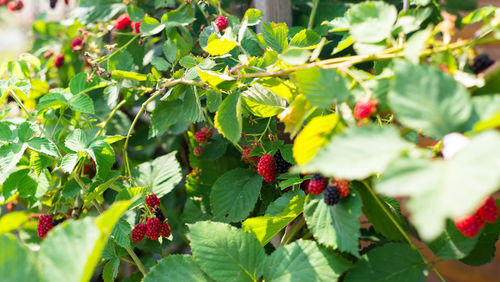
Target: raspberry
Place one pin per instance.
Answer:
(153, 226)
(470, 225)
(165, 230)
(267, 168)
(364, 108)
(152, 201)
(282, 166)
(53, 3)
(208, 131)
(332, 195)
(489, 210)
(343, 186)
(317, 184)
(59, 61)
(122, 22)
(138, 232)
(221, 23)
(136, 27)
(3, 2)
(198, 151)
(481, 63)
(45, 223)
(77, 44)
(201, 136)
(48, 54)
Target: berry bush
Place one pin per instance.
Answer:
(174, 141)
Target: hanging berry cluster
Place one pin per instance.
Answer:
(45, 224)
(202, 137)
(153, 227)
(471, 225)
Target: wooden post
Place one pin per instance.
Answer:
(277, 11)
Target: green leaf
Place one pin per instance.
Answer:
(295, 57)
(266, 227)
(253, 16)
(79, 83)
(228, 117)
(170, 50)
(441, 189)
(213, 78)
(358, 152)
(478, 15)
(279, 205)
(262, 102)
(191, 107)
(110, 270)
(306, 38)
(82, 103)
(151, 26)
(217, 47)
(6, 134)
(452, 244)
(118, 74)
(89, 11)
(234, 194)
(275, 35)
(214, 99)
(76, 140)
(44, 146)
(304, 261)
(16, 262)
(321, 86)
(177, 268)
(69, 162)
(136, 13)
(10, 154)
(176, 18)
(225, 252)
(160, 175)
(390, 262)
(12, 221)
(104, 157)
(424, 98)
(25, 131)
(161, 64)
(51, 100)
(19, 181)
(371, 22)
(415, 44)
(121, 233)
(335, 226)
(164, 115)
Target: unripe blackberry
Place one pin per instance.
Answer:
(331, 195)
(317, 184)
(153, 226)
(77, 44)
(165, 230)
(45, 223)
(198, 151)
(267, 168)
(489, 210)
(152, 201)
(201, 136)
(122, 22)
(208, 131)
(251, 160)
(59, 61)
(282, 165)
(138, 232)
(470, 225)
(343, 186)
(48, 54)
(136, 27)
(364, 108)
(221, 23)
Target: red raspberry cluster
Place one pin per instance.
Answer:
(471, 225)
(123, 21)
(201, 137)
(154, 227)
(267, 168)
(45, 223)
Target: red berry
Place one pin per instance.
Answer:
(489, 210)
(12, 6)
(343, 186)
(208, 131)
(3, 2)
(317, 184)
(221, 23)
(364, 108)
(45, 223)
(122, 22)
(165, 230)
(198, 151)
(267, 168)
(152, 201)
(153, 226)
(201, 136)
(138, 232)
(20, 5)
(48, 54)
(470, 225)
(59, 61)
(76, 44)
(136, 27)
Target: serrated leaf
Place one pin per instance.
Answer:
(163, 116)
(253, 16)
(275, 35)
(104, 157)
(151, 26)
(79, 83)
(160, 175)
(217, 47)
(228, 117)
(306, 38)
(262, 102)
(371, 22)
(321, 86)
(10, 154)
(177, 268)
(121, 233)
(452, 244)
(51, 100)
(76, 140)
(16, 262)
(44, 146)
(68, 162)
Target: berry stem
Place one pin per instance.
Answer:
(137, 261)
(292, 231)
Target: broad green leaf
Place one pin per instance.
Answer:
(295, 115)
(234, 194)
(295, 56)
(98, 191)
(10, 154)
(424, 98)
(213, 78)
(176, 18)
(44, 146)
(321, 86)
(262, 102)
(131, 193)
(253, 16)
(110, 270)
(12, 221)
(304, 261)
(25, 131)
(313, 137)
(371, 22)
(226, 253)
(358, 152)
(19, 181)
(76, 140)
(275, 35)
(390, 262)
(136, 13)
(177, 268)
(6, 134)
(170, 50)
(452, 244)
(51, 100)
(89, 11)
(104, 157)
(160, 175)
(164, 115)
(228, 117)
(82, 103)
(16, 262)
(151, 26)
(278, 206)
(306, 38)
(191, 107)
(161, 64)
(68, 162)
(440, 189)
(118, 74)
(266, 227)
(415, 44)
(335, 226)
(217, 47)
(79, 83)
(121, 233)
(478, 15)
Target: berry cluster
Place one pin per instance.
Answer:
(471, 225)
(221, 23)
(333, 193)
(155, 227)
(201, 137)
(59, 61)
(45, 224)
(123, 21)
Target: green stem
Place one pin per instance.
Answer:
(313, 14)
(137, 261)
(113, 112)
(291, 232)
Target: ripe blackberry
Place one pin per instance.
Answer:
(153, 226)
(138, 232)
(201, 136)
(198, 151)
(282, 166)
(53, 3)
(481, 63)
(489, 210)
(343, 186)
(58, 221)
(317, 184)
(332, 195)
(59, 61)
(45, 223)
(267, 168)
(364, 108)
(470, 225)
(136, 27)
(165, 230)
(123, 21)
(221, 23)
(159, 214)
(152, 201)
